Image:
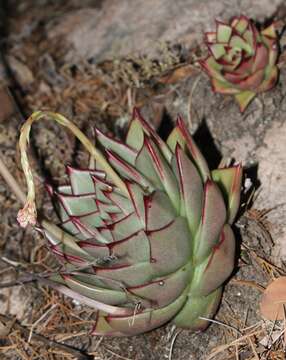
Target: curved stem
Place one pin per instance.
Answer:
(28, 214)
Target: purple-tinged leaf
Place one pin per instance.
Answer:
(105, 308)
(135, 134)
(124, 151)
(64, 242)
(147, 320)
(153, 135)
(137, 200)
(163, 291)
(233, 79)
(129, 275)
(242, 71)
(102, 189)
(120, 201)
(230, 61)
(252, 81)
(106, 296)
(89, 224)
(129, 172)
(146, 166)
(196, 307)
(212, 220)
(132, 250)
(102, 328)
(191, 189)
(194, 151)
(96, 250)
(212, 68)
(68, 260)
(213, 272)
(159, 211)
(224, 87)
(71, 228)
(126, 227)
(171, 247)
(164, 173)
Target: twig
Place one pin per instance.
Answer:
(248, 283)
(256, 357)
(238, 341)
(172, 344)
(78, 354)
(24, 280)
(116, 355)
(222, 324)
(39, 320)
(44, 279)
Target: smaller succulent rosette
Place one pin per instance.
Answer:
(242, 60)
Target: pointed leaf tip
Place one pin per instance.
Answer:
(136, 113)
(270, 32)
(194, 151)
(229, 181)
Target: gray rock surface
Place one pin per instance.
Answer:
(117, 28)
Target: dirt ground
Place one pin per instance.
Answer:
(93, 61)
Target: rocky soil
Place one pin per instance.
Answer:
(93, 61)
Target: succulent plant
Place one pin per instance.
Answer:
(242, 60)
(144, 237)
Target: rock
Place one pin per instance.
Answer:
(18, 302)
(117, 28)
(21, 71)
(271, 173)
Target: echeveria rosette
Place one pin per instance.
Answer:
(242, 60)
(156, 246)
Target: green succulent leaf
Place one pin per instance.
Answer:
(240, 24)
(124, 151)
(229, 180)
(218, 50)
(191, 191)
(196, 310)
(244, 98)
(223, 32)
(213, 271)
(213, 218)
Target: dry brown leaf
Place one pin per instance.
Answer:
(178, 74)
(273, 300)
